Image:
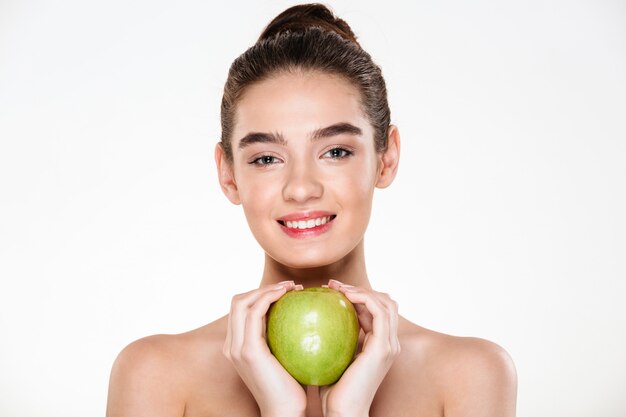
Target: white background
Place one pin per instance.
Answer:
(506, 220)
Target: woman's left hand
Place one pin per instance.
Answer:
(353, 394)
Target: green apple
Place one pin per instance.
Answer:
(314, 334)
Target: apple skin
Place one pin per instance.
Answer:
(314, 334)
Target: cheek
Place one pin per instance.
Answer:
(364, 175)
(257, 197)
(356, 186)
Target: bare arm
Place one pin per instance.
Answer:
(143, 382)
(483, 381)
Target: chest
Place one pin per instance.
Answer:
(402, 393)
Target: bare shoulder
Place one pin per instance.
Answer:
(159, 375)
(469, 375)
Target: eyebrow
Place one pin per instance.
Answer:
(277, 138)
(259, 137)
(335, 130)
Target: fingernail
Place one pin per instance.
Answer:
(334, 281)
(298, 287)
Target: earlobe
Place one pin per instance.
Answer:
(389, 159)
(226, 175)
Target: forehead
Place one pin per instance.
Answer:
(297, 103)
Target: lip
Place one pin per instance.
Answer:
(306, 233)
(305, 215)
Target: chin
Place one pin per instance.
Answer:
(303, 263)
(311, 260)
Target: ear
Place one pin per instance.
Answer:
(389, 160)
(226, 175)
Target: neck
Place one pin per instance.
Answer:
(349, 270)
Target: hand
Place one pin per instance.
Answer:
(353, 394)
(275, 391)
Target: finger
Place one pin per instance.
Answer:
(335, 285)
(393, 325)
(245, 300)
(380, 320)
(255, 318)
(226, 346)
(229, 336)
(365, 317)
(324, 390)
(383, 339)
(392, 314)
(239, 311)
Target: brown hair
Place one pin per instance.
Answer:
(308, 37)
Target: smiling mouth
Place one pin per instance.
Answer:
(307, 224)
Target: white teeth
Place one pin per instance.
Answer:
(307, 224)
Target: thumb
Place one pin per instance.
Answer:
(324, 391)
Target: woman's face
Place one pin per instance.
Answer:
(304, 167)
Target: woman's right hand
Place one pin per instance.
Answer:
(275, 391)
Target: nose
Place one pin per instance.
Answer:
(302, 184)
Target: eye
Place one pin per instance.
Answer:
(337, 153)
(264, 160)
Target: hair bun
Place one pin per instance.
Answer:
(303, 16)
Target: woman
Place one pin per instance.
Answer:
(306, 138)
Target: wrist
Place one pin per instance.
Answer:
(284, 413)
